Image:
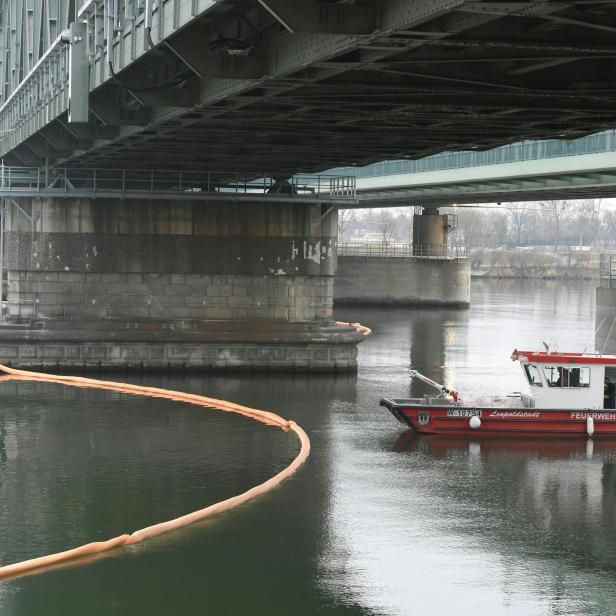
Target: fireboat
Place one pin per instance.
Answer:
(569, 394)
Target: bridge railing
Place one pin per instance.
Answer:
(603, 142)
(141, 183)
(390, 249)
(45, 87)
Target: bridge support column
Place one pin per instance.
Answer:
(430, 234)
(101, 283)
(605, 317)
(403, 281)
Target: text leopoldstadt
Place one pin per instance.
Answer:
(514, 414)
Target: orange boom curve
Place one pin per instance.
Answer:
(362, 329)
(84, 553)
(71, 556)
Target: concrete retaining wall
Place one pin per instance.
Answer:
(605, 319)
(402, 280)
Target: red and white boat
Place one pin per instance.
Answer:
(569, 394)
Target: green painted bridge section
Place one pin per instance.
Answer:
(525, 171)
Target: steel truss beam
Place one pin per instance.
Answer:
(297, 84)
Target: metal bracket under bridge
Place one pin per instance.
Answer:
(164, 184)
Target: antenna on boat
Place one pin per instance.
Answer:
(596, 332)
(550, 346)
(608, 335)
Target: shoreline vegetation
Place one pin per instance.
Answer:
(533, 264)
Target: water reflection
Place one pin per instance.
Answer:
(558, 497)
(160, 458)
(433, 333)
(376, 523)
(405, 338)
(473, 526)
(575, 448)
(90, 464)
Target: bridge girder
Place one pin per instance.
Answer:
(274, 84)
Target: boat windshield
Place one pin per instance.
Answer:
(532, 374)
(557, 376)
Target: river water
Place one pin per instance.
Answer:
(377, 522)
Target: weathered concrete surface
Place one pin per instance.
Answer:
(106, 284)
(107, 258)
(402, 280)
(429, 234)
(136, 295)
(605, 319)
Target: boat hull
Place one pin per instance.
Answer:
(495, 421)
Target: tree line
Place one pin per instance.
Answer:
(583, 222)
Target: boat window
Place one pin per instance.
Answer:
(552, 375)
(532, 374)
(579, 377)
(557, 376)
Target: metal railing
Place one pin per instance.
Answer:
(115, 35)
(190, 184)
(516, 152)
(388, 249)
(45, 86)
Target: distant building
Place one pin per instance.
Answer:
(376, 237)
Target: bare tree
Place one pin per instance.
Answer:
(588, 220)
(403, 225)
(345, 220)
(555, 217)
(607, 229)
(381, 221)
(482, 228)
(519, 219)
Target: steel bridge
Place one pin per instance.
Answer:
(116, 113)
(296, 85)
(527, 171)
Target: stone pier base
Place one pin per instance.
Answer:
(405, 281)
(176, 346)
(104, 284)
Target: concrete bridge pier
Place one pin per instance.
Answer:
(423, 273)
(190, 285)
(430, 233)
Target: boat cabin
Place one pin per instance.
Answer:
(568, 380)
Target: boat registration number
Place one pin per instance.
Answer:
(463, 413)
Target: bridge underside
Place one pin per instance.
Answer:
(258, 85)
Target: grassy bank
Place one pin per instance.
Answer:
(535, 264)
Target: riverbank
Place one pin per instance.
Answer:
(535, 264)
